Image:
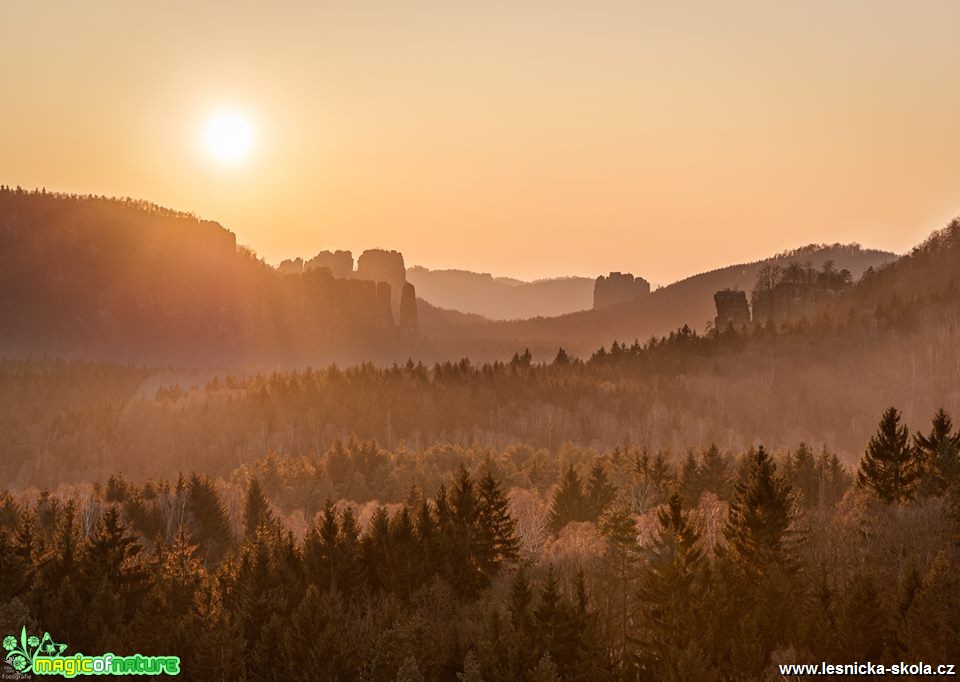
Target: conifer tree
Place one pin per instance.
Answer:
(690, 479)
(715, 473)
(210, 527)
(667, 590)
(600, 492)
(320, 555)
(939, 455)
(520, 608)
(569, 502)
(498, 542)
(890, 467)
(760, 514)
(620, 529)
(256, 511)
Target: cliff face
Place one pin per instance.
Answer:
(99, 278)
(379, 265)
(384, 307)
(409, 318)
(376, 293)
(732, 309)
(618, 288)
(339, 263)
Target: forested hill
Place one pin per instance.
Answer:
(502, 298)
(125, 280)
(687, 302)
(892, 339)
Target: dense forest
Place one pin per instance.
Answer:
(125, 280)
(698, 505)
(601, 567)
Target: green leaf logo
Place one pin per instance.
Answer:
(20, 654)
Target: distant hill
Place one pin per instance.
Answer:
(501, 298)
(126, 280)
(689, 301)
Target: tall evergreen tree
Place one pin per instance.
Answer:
(939, 455)
(209, 525)
(667, 590)
(890, 467)
(760, 514)
(256, 510)
(569, 502)
(600, 491)
(497, 529)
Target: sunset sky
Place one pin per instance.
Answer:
(520, 138)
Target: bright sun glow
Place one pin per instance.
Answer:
(229, 136)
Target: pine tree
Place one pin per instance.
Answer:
(256, 511)
(557, 624)
(498, 542)
(210, 527)
(939, 453)
(522, 644)
(890, 467)
(600, 492)
(760, 514)
(667, 590)
(620, 529)
(320, 553)
(715, 473)
(690, 479)
(569, 502)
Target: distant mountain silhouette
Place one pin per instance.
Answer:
(127, 280)
(689, 301)
(119, 279)
(501, 298)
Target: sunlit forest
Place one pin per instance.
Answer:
(477, 564)
(702, 505)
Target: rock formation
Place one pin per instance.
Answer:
(618, 288)
(409, 319)
(291, 266)
(384, 305)
(339, 263)
(732, 309)
(379, 265)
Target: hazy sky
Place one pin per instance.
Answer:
(520, 138)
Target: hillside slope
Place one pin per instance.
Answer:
(689, 301)
(501, 298)
(124, 280)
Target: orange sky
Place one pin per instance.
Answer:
(520, 138)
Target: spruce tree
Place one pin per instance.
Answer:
(256, 510)
(890, 467)
(667, 590)
(497, 529)
(210, 527)
(569, 502)
(600, 492)
(760, 514)
(939, 455)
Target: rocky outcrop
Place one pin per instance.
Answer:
(618, 288)
(384, 306)
(409, 319)
(291, 266)
(379, 265)
(732, 309)
(339, 263)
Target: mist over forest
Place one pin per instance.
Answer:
(325, 470)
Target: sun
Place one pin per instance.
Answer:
(228, 136)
